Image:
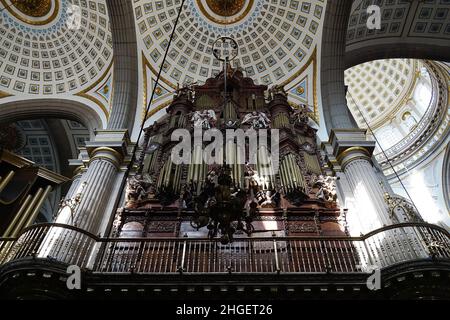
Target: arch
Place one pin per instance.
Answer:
(409, 29)
(124, 105)
(52, 108)
(334, 104)
(339, 53)
(405, 49)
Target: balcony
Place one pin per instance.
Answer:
(382, 248)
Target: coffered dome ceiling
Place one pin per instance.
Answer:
(380, 88)
(278, 42)
(46, 50)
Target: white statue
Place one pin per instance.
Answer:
(257, 119)
(269, 203)
(205, 119)
(138, 188)
(301, 115)
(327, 188)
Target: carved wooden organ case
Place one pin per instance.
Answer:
(297, 200)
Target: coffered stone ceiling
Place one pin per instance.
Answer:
(279, 43)
(407, 27)
(380, 88)
(45, 53)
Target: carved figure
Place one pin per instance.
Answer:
(327, 188)
(205, 119)
(257, 119)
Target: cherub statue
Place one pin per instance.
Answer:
(251, 177)
(231, 124)
(277, 89)
(301, 115)
(136, 189)
(257, 119)
(205, 119)
(327, 188)
(269, 203)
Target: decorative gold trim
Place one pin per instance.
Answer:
(77, 171)
(38, 206)
(116, 158)
(84, 93)
(146, 63)
(346, 152)
(312, 59)
(4, 94)
(4, 182)
(20, 162)
(28, 21)
(158, 108)
(226, 20)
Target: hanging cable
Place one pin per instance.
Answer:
(384, 153)
(147, 109)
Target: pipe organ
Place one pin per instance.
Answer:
(295, 194)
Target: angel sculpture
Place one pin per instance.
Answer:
(205, 119)
(327, 188)
(257, 120)
(137, 188)
(277, 89)
(301, 115)
(269, 202)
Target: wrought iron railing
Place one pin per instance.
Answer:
(381, 248)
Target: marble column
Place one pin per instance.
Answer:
(364, 197)
(98, 182)
(91, 199)
(353, 156)
(77, 174)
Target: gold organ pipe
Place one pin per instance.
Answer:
(297, 172)
(38, 206)
(160, 176)
(175, 179)
(6, 180)
(283, 173)
(292, 171)
(18, 215)
(27, 213)
(168, 172)
(286, 171)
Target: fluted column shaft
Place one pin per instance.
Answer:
(368, 193)
(75, 184)
(98, 181)
(71, 246)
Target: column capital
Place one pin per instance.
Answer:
(112, 145)
(350, 144)
(78, 171)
